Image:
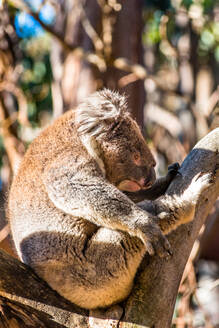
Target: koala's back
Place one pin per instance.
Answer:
(29, 207)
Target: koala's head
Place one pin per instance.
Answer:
(117, 143)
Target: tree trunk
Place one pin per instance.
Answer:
(79, 78)
(27, 301)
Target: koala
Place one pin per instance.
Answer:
(72, 204)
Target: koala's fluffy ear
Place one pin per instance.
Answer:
(101, 111)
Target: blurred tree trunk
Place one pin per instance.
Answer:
(121, 32)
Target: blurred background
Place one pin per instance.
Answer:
(163, 54)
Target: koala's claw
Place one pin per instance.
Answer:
(164, 250)
(168, 250)
(156, 243)
(173, 171)
(174, 167)
(149, 248)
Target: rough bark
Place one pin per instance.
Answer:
(27, 301)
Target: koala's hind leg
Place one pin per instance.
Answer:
(116, 256)
(101, 274)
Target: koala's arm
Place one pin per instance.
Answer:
(159, 187)
(174, 210)
(91, 197)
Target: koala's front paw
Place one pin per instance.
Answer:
(173, 170)
(154, 240)
(201, 181)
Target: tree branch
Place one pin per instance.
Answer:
(24, 295)
(26, 300)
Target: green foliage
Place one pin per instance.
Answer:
(152, 33)
(158, 4)
(199, 19)
(209, 40)
(36, 77)
(207, 5)
(187, 3)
